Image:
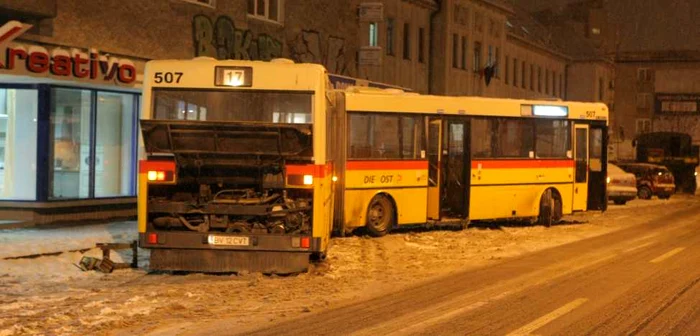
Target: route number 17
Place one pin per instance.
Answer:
(234, 77)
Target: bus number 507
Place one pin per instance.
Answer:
(167, 77)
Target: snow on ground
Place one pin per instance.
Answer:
(21, 242)
(51, 295)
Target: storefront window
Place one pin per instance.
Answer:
(70, 127)
(114, 161)
(18, 134)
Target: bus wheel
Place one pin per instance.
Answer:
(380, 216)
(550, 208)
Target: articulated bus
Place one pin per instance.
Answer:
(253, 166)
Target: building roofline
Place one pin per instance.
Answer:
(539, 46)
(658, 56)
(498, 5)
(429, 4)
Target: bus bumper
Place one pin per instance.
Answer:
(191, 251)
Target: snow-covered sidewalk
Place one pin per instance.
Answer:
(24, 242)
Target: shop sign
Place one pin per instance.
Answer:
(677, 103)
(72, 63)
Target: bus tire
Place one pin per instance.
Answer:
(550, 208)
(380, 216)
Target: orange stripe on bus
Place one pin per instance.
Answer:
(510, 164)
(145, 166)
(386, 165)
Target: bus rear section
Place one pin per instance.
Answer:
(235, 185)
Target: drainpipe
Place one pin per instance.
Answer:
(431, 47)
(566, 81)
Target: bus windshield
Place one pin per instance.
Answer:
(228, 105)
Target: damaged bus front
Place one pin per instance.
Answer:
(230, 181)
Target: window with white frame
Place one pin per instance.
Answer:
(373, 34)
(269, 10)
(208, 3)
(643, 125)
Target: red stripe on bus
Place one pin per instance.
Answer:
(318, 171)
(386, 165)
(145, 166)
(510, 164)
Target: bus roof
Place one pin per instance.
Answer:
(391, 100)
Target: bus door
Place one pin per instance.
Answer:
(434, 167)
(581, 167)
(457, 166)
(597, 173)
(449, 168)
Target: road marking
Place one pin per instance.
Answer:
(637, 247)
(540, 322)
(445, 316)
(667, 255)
(417, 319)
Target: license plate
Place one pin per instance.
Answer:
(228, 240)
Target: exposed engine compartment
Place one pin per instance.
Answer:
(234, 211)
(230, 177)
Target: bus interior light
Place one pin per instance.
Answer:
(335, 178)
(550, 111)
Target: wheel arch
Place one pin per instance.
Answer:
(538, 199)
(391, 199)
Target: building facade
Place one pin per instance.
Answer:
(70, 86)
(72, 70)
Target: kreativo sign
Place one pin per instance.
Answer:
(60, 63)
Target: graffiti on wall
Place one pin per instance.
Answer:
(309, 47)
(222, 40)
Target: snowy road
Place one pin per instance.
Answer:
(51, 295)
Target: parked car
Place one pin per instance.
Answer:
(622, 186)
(652, 180)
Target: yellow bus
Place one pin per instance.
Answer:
(254, 165)
(411, 159)
(233, 171)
